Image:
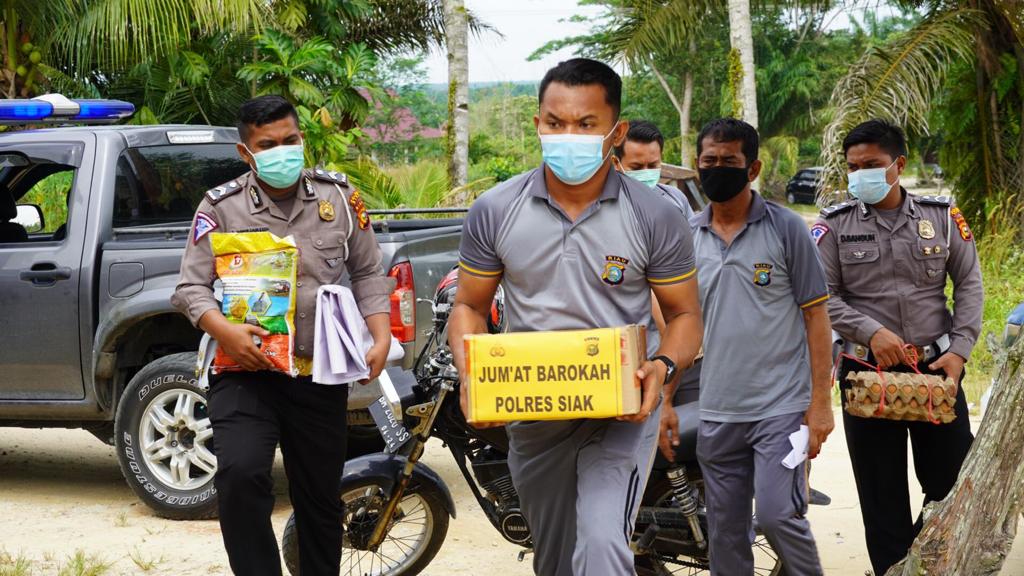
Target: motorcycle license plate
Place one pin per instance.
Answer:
(391, 429)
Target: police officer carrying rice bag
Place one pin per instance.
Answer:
(887, 255)
(254, 407)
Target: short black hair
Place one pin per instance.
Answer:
(643, 132)
(584, 72)
(263, 110)
(888, 136)
(731, 130)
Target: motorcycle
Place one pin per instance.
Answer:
(397, 509)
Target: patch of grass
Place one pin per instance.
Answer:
(82, 565)
(1002, 260)
(121, 520)
(142, 562)
(14, 565)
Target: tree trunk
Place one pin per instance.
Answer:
(971, 531)
(685, 153)
(456, 28)
(741, 38)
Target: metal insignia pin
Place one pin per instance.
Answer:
(256, 200)
(925, 229)
(938, 250)
(927, 250)
(858, 255)
(326, 211)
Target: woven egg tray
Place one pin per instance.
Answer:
(906, 396)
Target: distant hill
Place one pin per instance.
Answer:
(478, 90)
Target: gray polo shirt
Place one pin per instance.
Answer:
(752, 292)
(595, 272)
(676, 196)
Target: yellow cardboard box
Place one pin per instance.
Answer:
(555, 375)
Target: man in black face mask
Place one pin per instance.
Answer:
(762, 292)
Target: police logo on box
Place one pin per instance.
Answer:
(592, 346)
(762, 274)
(614, 270)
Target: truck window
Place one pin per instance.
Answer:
(159, 185)
(42, 175)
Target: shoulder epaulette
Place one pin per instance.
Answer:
(831, 211)
(221, 192)
(934, 200)
(330, 176)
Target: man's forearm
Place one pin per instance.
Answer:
(464, 320)
(380, 328)
(819, 345)
(681, 342)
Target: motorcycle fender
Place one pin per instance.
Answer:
(385, 468)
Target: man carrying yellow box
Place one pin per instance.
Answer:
(578, 246)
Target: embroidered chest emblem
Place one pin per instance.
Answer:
(614, 270)
(762, 274)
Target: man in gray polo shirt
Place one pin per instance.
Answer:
(577, 245)
(767, 338)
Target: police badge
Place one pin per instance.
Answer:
(762, 274)
(614, 270)
(592, 346)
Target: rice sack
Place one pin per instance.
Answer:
(258, 271)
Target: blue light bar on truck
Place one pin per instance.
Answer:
(24, 110)
(103, 109)
(57, 108)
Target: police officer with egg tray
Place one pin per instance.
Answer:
(887, 254)
(255, 409)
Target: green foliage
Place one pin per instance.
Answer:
(51, 194)
(323, 140)
(420, 185)
(14, 565)
(81, 565)
(504, 167)
(898, 80)
(731, 103)
(779, 156)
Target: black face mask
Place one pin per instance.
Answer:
(723, 183)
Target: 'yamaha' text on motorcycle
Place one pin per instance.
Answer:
(397, 508)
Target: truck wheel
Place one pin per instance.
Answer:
(164, 440)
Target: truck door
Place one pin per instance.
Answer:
(40, 264)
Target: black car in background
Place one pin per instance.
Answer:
(803, 186)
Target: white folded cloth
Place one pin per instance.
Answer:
(341, 338)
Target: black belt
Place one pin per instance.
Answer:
(925, 353)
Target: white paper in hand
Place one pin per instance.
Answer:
(342, 339)
(799, 440)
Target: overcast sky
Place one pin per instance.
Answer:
(526, 26)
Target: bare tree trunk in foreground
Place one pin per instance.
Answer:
(971, 531)
(456, 31)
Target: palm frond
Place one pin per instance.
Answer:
(896, 81)
(118, 33)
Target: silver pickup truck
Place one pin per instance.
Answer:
(93, 223)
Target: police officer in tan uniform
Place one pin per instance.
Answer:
(255, 410)
(887, 254)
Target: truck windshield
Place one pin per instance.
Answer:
(161, 185)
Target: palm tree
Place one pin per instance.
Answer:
(741, 37)
(456, 28)
(961, 67)
(74, 37)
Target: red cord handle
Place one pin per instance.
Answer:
(912, 359)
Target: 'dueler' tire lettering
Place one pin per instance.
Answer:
(164, 441)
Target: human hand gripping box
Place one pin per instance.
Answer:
(554, 375)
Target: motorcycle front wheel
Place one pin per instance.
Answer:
(661, 562)
(413, 538)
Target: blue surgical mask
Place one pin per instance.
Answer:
(869, 185)
(574, 158)
(279, 166)
(649, 177)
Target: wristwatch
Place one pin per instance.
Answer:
(671, 373)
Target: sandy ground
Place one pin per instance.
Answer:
(61, 492)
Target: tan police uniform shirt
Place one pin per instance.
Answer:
(331, 229)
(894, 275)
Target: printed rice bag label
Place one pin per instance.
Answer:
(259, 273)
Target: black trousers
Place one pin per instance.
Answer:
(251, 413)
(878, 452)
